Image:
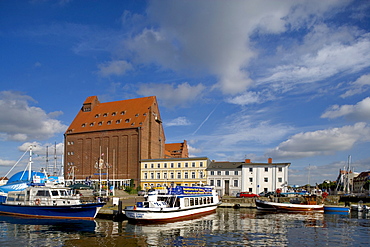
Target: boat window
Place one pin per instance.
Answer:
(54, 193)
(20, 197)
(191, 201)
(63, 193)
(186, 202)
(196, 201)
(177, 203)
(43, 193)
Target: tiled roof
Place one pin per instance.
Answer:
(112, 115)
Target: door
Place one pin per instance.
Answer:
(227, 187)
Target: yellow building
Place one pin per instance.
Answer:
(172, 172)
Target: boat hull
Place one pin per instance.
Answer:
(167, 214)
(337, 209)
(82, 211)
(288, 207)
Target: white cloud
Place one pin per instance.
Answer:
(250, 97)
(40, 148)
(358, 86)
(326, 62)
(322, 142)
(180, 121)
(114, 68)
(21, 122)
(358, 112)
(172, 95)
(216, 39)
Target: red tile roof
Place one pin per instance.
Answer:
(112, 115)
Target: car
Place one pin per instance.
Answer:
(267, 194)
(246, 194)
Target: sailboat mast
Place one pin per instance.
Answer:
(30, 164)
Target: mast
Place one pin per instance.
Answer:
(30, 164)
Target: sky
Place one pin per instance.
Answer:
(238, 80)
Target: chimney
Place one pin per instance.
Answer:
(247, 160)
(269, 160)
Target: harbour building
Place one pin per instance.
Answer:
(107, 141)
(170, 172)
(230, 178)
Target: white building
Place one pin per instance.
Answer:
(230, 178)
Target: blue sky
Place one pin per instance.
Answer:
(288, 80)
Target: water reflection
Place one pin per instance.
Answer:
(233, 227)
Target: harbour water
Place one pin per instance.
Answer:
(226, 227)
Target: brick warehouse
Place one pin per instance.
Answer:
(108, 140)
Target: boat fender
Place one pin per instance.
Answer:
(236, 206)
(37, 201)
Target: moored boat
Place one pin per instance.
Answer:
(41, 201)
(177, 203)
(329, 209)
(309, 204)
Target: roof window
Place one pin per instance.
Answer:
(105, 114)
(137, 114)
(118, 121)
(109, 122)
(114, 113)
(83, 125)
(123, 112)
(100, 123)
(127, 120)
(91, 124)
(97, 115)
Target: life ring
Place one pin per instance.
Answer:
(37, 201)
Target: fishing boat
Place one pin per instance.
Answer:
(43, 201)
(181, 202)
(309, 204)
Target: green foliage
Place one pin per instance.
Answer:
(366, 185)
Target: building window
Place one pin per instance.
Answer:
(218, 172)
(212, 182)
(280, 169)
(158, 175)
(186, 164)
(178, 165)
(123, 112)
(186, 175)
(127, 120)
(236, 183)
(236, 173)
(218, 183)
(151, 165)
(165, 175)
(179, 175)
(193, 164)
(158, 165)
(251, 180)
(200, 174)
(114, 113)
(105, 114)
(152, 175)
(145, 165)
(172, 175)
(97, 115)
(91, 124)
(250, 189)
(118, 121)
(280, 180)
(201, 164)
(109, 122)
(165, 165)
(226, 172)
(83, 125)
(100, 123)
(172, 165)
(266, 179)
(145, 175)
(266, 169)
(212, 173)
(250, 169)
(193, 175)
